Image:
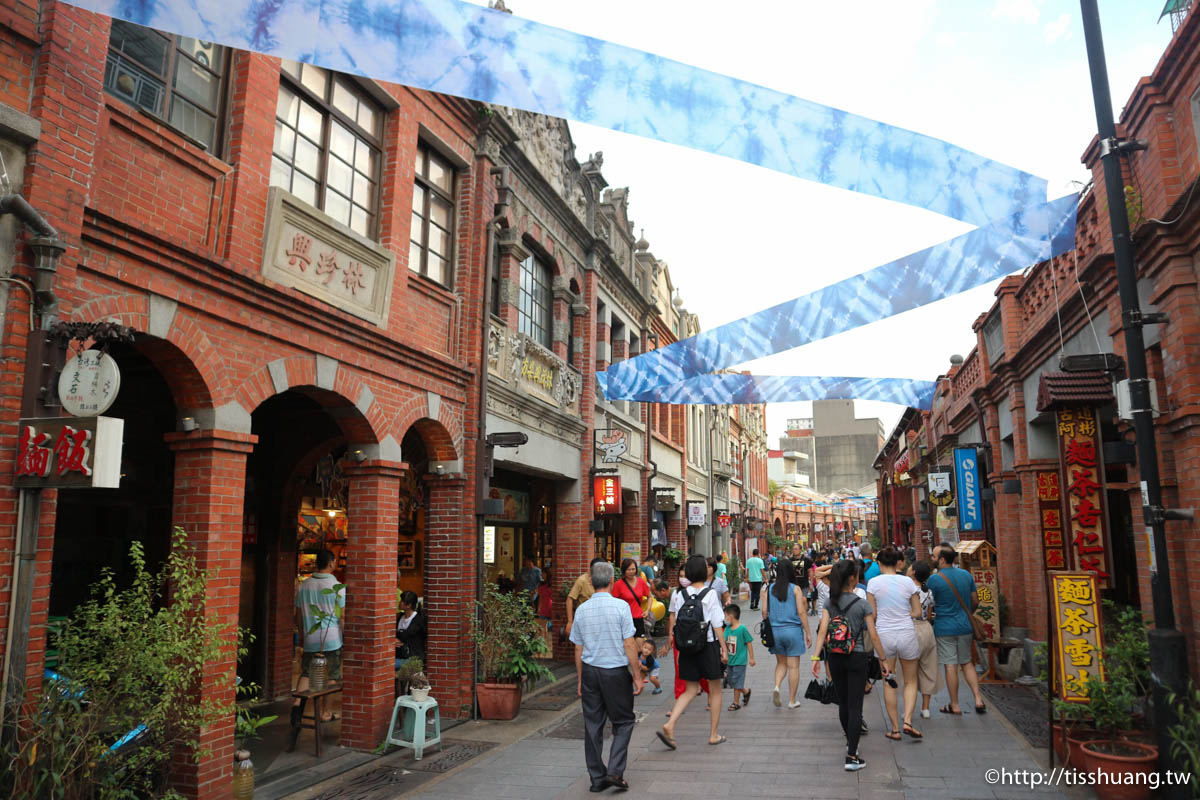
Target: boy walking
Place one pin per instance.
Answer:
(740, 644)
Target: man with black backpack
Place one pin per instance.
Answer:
(697, 632)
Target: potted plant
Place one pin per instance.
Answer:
(1111, 702)
(245, 727)
(509, 640)
(671, 559)
(409, 667)
(419, 687)
(323, 621)
(1070, 734)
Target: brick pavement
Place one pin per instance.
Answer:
(771, 752)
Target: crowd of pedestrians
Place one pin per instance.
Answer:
(883, 617)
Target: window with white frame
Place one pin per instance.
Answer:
(535, 306)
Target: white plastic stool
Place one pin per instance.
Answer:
(420, 709)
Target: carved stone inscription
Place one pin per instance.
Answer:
(532, 369)
(307, 251)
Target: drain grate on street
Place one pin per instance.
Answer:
(455, 753)
(378, 784)
(551, 701)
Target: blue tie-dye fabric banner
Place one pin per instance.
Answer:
(462, 49)
(941, 271)
(739, 389)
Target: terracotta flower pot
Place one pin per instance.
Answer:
(1060, 743)
(1118, 761)
(1075, 741)
(498, 700)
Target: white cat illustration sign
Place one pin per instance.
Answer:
(612, 443)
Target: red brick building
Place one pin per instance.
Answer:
(300, 255)
(1012, 398)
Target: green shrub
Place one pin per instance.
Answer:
(128, 656)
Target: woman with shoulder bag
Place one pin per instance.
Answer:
(927, 666)
(846, 622)
(411, 629)
(787, 611)
(631, 586)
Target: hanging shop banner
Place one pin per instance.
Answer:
(606, 494)
(1078, 639)
(723, 519)
(970, 501)
(1049, 495)
(489, 544)
(940, 491)
(1083, 490)
(516, 505)
(658, 530)
(695, 513)
(69, 452)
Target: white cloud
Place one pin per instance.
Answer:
(1017, 10)
(1058, 29)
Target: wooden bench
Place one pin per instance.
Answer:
(317, 696)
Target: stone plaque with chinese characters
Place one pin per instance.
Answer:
(69, 452)
(308, 251)
(89, 383)
(1086, 523)
(1050, 519)
(532, 370)
(1078, 640)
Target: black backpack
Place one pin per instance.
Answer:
(691, 628)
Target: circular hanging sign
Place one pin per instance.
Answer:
(89, 384)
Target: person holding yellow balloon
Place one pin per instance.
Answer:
(632, 587)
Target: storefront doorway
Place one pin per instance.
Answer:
(524, 529)
(94, 528)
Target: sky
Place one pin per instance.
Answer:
(1004, 78)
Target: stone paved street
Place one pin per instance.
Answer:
(771, 752)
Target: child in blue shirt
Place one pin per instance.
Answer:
(739, 643)
(649, 664)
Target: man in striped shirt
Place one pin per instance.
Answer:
(606, 663)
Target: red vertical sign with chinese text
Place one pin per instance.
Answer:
(1086, 522)
(1050, 519)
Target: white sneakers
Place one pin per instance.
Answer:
(777, 698)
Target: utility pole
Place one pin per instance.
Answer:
(1168, 649)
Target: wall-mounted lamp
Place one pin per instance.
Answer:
(359, 456)
(439, 468)
(188, 424)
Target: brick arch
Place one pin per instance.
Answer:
(438, 441)
(545, 248)
(340, 401)
(185, 358)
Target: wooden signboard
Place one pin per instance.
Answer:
(1076, 633)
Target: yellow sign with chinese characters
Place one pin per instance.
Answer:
(1078, 641)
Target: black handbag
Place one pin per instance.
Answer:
(765, 634)
(874, 671)
(814, 690)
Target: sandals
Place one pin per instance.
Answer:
(746, 698)
(948, 709)
(733, 707)
(909, 730)
(980, 709)
(667, 740)
(720, 740)
(893, 735)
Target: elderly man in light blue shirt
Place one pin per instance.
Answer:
(606, 663)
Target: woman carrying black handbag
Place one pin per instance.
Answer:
(787, 617)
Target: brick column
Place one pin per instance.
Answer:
(369, 640)
(210, 482)
(450, 541)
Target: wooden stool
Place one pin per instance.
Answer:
(420, 709)
(316, 695)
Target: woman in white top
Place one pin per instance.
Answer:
(705, 664)
(897, 603)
